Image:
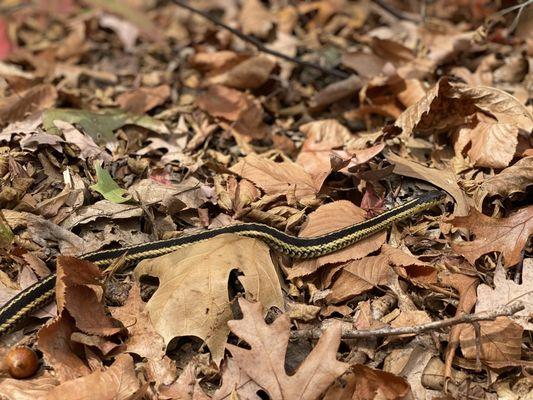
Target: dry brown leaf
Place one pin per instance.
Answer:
(335, 92)
(248, 74)
(138, 101)
(367, 65)
(500, 340)
(364, 383)
(17, 106)
(264, 362)
(26, 389)
(321, 137)
(488, 120)
(236, 382)
(513, 179)
(507, 291)
(79, 291)
(277, 178)
(506, 235)
(328, 218)
(444, 179)
(60, 351)
(360, 276)
(408, 266)
(118, 382)
(255, 18)
(88, 148)
(186, 387)
(237, 107)
(143, 339)
(192, 298)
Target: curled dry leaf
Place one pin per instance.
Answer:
(364, 383)
(514, 179)
(264, 362)
(118, 382)
(79, 291)
(237, 107)
(444, 179)
(500, 340)
(88, 149)
(186, 387)
(277, 178)
(487, 120)
(143, 339)
(506, 235)
(330, 217)
(506, 291)
(192, 298)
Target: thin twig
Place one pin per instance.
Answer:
(397, 13)
(417, 329)
(260, 46)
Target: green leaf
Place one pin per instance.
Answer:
(6, 234)
(99, 126)
(108, 188)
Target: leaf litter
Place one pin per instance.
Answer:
(123, 122)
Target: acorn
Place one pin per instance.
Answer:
(21, 362)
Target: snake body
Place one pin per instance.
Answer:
(41, 292)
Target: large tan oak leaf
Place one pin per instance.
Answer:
(192, 298)
(264, 362)
(506, 235)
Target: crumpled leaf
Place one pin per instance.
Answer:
(118, 382)
(500, 340)
(277, 178)
(107, 187)
(264, 362)
(99, 126)
(328, 218)
(506, 291)
(513, 179)
(506, 235)
(444, 179)
(487, 120)
(192, 298)
(26, 389)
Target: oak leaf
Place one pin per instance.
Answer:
(506, 235)
(264, 362)
(328, 218)
(192, 298)
(277, 178)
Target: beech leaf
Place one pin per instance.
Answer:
(264, 362)
(192, 298)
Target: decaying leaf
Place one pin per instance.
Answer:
(506, 235)
(192, 298)
(277, 178)
(514, 179)
(264, 362)
(330, 217)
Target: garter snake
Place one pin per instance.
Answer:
(41, 292)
